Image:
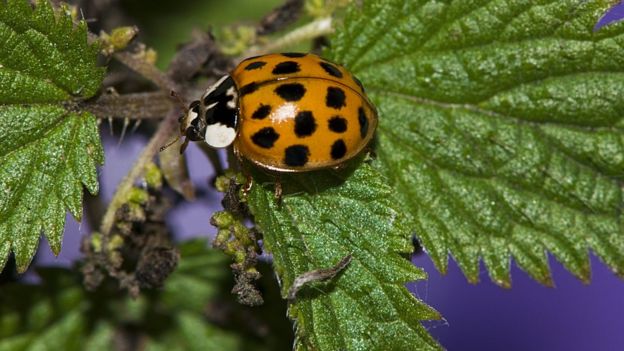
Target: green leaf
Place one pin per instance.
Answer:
(58, 314)
(191, 332)
(197, 279)
(500, 127)
(50, 316)
(200, 288)
(323, 217)
(101, 338)
(48, 148)
(197, 282)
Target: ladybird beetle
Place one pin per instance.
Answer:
(285, 112)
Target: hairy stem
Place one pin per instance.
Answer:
(147, 70)
(164, 132)
(141, 66)
(314, 29)
(135, 106)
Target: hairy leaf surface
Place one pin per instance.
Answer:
(323, 217)
(500, 127)
(48, 148)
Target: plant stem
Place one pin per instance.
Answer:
(314, 29)
(147, 70)
(141, 66)
(164, 132)
(135, 106)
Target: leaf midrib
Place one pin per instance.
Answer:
(30, 171)
(53, 129)
(474, 107)
(420, 48)
(535, 126)
(585, 206)
(21, 38)
(380, 282)
(553, 235)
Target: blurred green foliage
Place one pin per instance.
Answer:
(165, 24)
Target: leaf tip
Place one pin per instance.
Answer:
(25, 249)
(585, 279)
(584, 272)
(440, 263)
(433, 315)
(546, 279)
(22, 262)
(55, 246)
(503, 283)
(5, 249)
(472, 279)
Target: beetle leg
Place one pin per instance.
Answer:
(248, 183)
(278, 190)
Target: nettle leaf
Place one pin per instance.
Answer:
(58, 314)
(197, 279)
(500, 127)
(50, 316)
(197, 282)
(191, 332)
(48, 148)
(323, 217)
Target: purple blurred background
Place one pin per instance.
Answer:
(615, 14)
(571, 316)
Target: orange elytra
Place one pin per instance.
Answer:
(286, 112)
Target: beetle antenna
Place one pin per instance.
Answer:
(185, 108)
(162, 148)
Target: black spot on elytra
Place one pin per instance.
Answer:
(305, 124)
(296, 155)
(338, 149)
(291, 91)
(363, 120)
(286, 67)
(358, 82)
(335, 98)
(337, 124)
(265, 137)
(293, 54)
(262, 112)
(248, 89)
(331, 69)
(255, 65)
